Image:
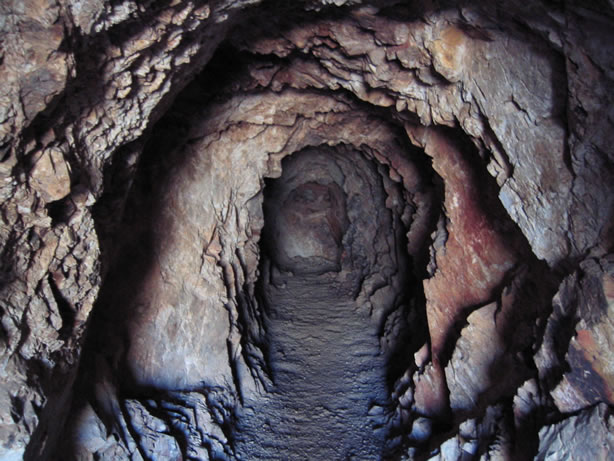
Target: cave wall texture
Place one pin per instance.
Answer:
(321, 229)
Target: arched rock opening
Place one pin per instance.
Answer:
(210, 317)
(327, 230)
(135, 144)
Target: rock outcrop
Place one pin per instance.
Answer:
(360, 229)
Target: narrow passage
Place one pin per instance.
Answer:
(328, 373)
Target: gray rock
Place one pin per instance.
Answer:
(587, 435)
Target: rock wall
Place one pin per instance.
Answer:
(135, 139)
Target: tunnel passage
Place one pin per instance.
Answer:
(326, 230)
(303, 265)
(305, 216)
(132, 210)
(290, 309)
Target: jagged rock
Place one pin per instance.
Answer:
(152, 433)
(489, 358)
(136, 142)
(471, 242)
(50, 176)
(488, 437)
(307, 216)
(476, 365)
(578, 338)
(431, 394)
(587, 435)
(91, 438)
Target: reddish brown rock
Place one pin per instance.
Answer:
(431, 394)
(50, 176)
(475, 257)
(591, 376)
(449, 50)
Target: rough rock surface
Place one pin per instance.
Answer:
(587, 435)
(581, 328)
(473, 231)
(329, 398)
(329, 395)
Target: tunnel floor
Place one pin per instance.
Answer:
(329, 376)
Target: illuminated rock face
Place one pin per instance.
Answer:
(367, 230)
(306, 221)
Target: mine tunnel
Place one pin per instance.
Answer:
(325, 230)
(323, 219)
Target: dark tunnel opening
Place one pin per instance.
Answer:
(336, 352)
(329, 342)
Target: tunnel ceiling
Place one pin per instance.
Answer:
(331, 230)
